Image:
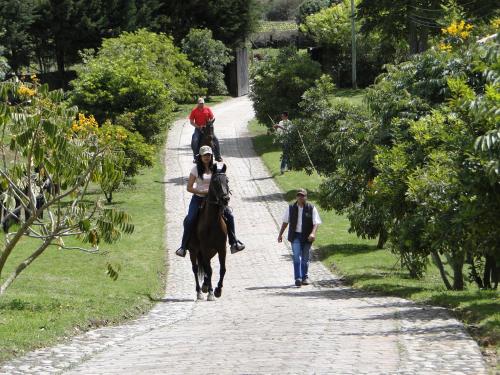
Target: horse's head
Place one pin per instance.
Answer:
(208, 129)
(218, 191)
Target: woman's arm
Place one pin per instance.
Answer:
(190, 186)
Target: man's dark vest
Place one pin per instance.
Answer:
(307, 220)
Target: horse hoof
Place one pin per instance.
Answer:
(218, 292)
(211, 297)
(199, 296)
(204, 288)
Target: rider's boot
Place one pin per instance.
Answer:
(180, 252)
(237, 246)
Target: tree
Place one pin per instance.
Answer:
(46, 171)
(16, 18)
(415, 21)
(418, 166)
(231, 21)
(309, 7)
(340, 139)
(211, 56)
(330, 28)
(278, 83)
(436, 186)
(141, 75)
(132, 154)
(64, 27)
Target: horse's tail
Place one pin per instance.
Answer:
(201, 269)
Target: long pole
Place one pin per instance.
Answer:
(353, 36)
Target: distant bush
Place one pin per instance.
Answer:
(210, 56)
(279, 82)
(142, 74)
(309, 7)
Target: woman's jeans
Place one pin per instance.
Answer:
(192, 215)
(301, 250)
(196, 140)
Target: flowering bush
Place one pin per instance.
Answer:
(48, 162)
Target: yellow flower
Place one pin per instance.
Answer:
(34, 79)
(445, 47)
(496, 23)
(85, 124)
(26, 91)
(458, 29)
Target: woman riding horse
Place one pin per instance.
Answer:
(198, 183)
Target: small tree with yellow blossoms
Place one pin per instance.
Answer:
(48, 161)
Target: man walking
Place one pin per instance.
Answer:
(282, 129)
(199, 117)
(304, 220)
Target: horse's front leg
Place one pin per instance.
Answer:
(222, 263)
(208, 272)
(195, 267)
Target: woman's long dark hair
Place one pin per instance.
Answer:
(200, 167)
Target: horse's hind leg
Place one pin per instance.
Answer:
(222, 263)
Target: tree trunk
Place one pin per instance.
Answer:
(382, 239)
(412, 32)
(457, 264)
(423, 39)
(473, 270)
(437, 260)
(60, 64)
(20, 268)
(490, 272)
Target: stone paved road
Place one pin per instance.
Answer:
(262, 324)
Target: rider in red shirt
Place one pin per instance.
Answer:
(198, 118)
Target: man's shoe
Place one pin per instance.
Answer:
(180, 252)
(306, 281)
(219, 159)
(238, 246)
(298, 282)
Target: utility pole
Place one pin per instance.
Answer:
(353, 43)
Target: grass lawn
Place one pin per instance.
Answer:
(365, 267)
(65, 292)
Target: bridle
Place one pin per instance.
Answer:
(218, 192)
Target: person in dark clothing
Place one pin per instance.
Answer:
(302, 219)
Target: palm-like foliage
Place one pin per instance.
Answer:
(46, 170)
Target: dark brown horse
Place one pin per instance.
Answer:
(208, 135)
(209, 236)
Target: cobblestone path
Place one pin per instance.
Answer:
(262, 324)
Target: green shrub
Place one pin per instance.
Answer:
(210, 56)
(309, 7)
(279, 82)
(142, 74)
(419, 165)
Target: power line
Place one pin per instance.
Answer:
(423, 23)
(439, 10)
